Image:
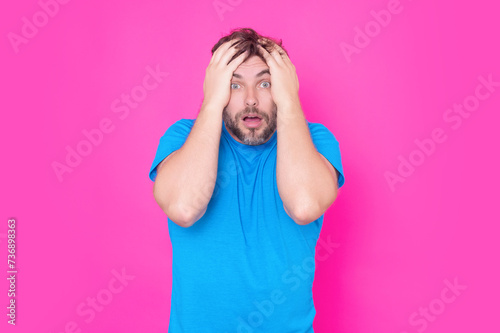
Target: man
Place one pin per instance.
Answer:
(245, 186)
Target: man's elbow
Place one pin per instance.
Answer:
(302, 214)
(306, 213)
(179, 214)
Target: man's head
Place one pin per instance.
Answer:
(250, 91)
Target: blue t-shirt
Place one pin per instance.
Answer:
(245, 266)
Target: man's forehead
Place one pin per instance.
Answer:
(251, 67)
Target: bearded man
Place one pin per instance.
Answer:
(245, 186)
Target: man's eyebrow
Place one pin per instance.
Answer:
(262, 72)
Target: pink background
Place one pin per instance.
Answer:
(397, 246)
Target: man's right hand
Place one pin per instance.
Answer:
(217, 84)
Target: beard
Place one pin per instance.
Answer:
(250, 136)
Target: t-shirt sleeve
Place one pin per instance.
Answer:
(328, 146)
(173, 139)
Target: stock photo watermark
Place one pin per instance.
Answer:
(11, 271)
(454, 117)
(30, 27)
(94, 137)
(420, 320)
(363, 37)
(207, 193)
(292, 278)
(223, 6)
(92, 305)
(2, 236)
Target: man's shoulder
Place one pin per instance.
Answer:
(184, 122)
(319, 131)
(316, 126)
(182, 125)
(310, 123)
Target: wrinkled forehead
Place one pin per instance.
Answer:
(252, 67)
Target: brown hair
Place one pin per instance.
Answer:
(248, 41)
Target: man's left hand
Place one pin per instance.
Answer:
(284, 81)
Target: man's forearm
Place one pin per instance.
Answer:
(184, 185)
(305, 183)
(186, 181)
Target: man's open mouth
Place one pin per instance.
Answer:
(252, 120)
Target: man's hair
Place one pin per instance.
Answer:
(248, 42)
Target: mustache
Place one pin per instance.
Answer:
(252, 109)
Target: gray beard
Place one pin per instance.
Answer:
(252, 138)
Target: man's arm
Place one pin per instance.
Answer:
(184, 184)
(185, 180)
(307, 182)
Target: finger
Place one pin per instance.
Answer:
(273, 54)
(237, 61)
(224, 59)
(270, 43)
(286, 60)
(221, 51)
(269, 59)
(218, 52)
(276, 55)
(282, 52)
(279, 49)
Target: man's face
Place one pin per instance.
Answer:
(251, 95)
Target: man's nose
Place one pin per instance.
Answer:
(251, 98)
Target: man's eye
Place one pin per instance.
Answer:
(266, 84)
(234, 86)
